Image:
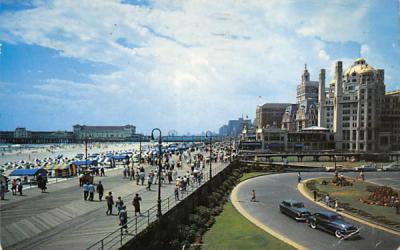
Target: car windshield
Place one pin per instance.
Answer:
(336, 217)
(298, 205)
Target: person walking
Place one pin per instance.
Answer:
(327, 200)
(253, 196)
(102, 171)
(20, 187)
(132, 177)
(119, 203)
(149, 182)
(100, 190)
(136, 203)
(362, 176)
(337, 205)
(124, 172)
(315, 195)
(81, 179)
(397, 205)
(91, 191)
(123, 219)
(176, 192)
(2, 190)
(110, 203)
(85, 191)
(298, 177)
(142, 175)
(14, 186)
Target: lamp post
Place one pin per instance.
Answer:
(159, 212)
(209, 135)
(86, 158)
(230, 149)
(140, 149)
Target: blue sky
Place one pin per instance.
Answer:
(184, 65)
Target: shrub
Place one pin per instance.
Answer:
(203, 212)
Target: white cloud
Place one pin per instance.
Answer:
(323, 55)
(189, 63)
(364, 50)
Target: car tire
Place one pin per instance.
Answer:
(312, 224)
(338, 234)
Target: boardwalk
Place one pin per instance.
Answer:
(61, 219)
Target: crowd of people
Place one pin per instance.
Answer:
(180, 169)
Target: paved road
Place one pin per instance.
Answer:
(272, 189)
(61, 219)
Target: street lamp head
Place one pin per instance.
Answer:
(152, 133)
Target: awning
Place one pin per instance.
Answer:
(28, 172)
(84, 162)
(120, 157)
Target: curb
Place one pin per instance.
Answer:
(301, 188)
(256, 222)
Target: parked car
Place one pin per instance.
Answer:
(332, 223)
(294, 209)
(332, 168)
(394, 166)
(365, 168)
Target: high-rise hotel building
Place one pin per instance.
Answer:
(357, 110)
(353, 110)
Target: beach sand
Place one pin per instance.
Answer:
(67, 150)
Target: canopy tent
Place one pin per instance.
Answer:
(60, 166)
(29, 172)
(62, 169)
(84, 163)
(120, 157)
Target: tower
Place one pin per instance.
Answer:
(321, 99)
(337, 107)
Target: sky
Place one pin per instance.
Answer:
(188, 66)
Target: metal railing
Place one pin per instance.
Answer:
(119, 237)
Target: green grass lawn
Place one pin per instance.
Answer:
(351, 196)
(233, 231)
(251, 175)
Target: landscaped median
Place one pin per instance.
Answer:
(363, 201)
(232, 230)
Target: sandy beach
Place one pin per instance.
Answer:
(67, 150)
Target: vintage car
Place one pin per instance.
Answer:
(332, 223)
(294, 209)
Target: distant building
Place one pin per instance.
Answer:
(270, 114)
(234, 128)
(306, 99)
(363, 117)
(105, 133)
(22, 135)
(390, 121)
(289, 118)
(224, 130)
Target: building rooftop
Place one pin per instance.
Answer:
(359, 67)
(103, 128)
(393, 92)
